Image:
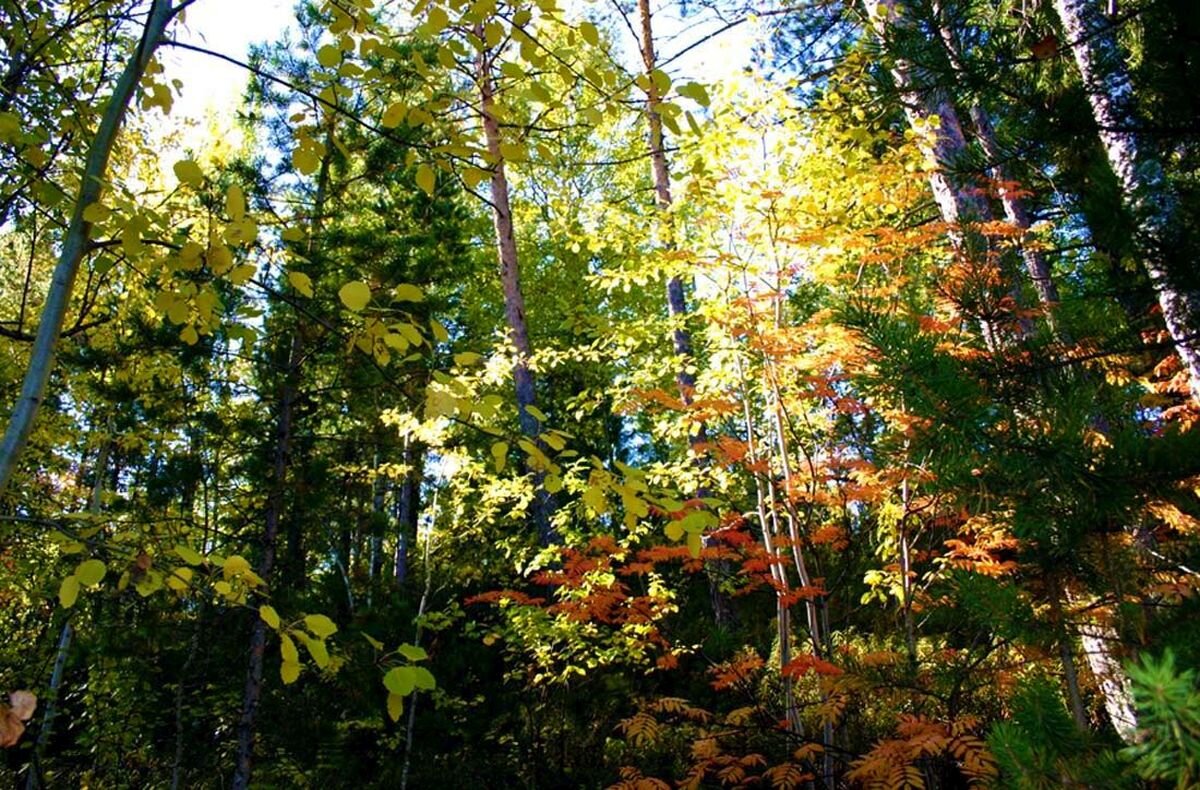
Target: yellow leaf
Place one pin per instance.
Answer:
(594, 498)
(269, 615)
(320, 625)
(301, 282)
(393, 116)
(287, 649)
(329, 56)
(589, 32)
(499, 455)
(242, 273)
(235, 566)
(189, 335)
(409, 293)
(439, 331)
(395, 706)
(694, 543)
(188, 172)
(96, 212)
(289, 671)
(355, 295)
(178, 312)
(426, 179)
(235, 203)
(68, 591)
(306, 160)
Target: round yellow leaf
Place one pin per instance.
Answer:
(355, 295)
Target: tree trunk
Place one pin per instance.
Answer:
(1144, 186)
(75, 244)
(677, 308)
(958, 204)
(252, 694)
(514, 298)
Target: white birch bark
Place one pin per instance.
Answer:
(75, 243)
(1144, 186)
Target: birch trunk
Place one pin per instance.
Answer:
(510, 280)
(958, 204)
(1144, 186)
(75, 243)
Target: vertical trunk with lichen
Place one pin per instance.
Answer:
(75, 243)
(1106, 80)
(677, 308)
(510, 281)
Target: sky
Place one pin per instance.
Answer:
(231, 26)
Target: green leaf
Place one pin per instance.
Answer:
(694, 543)
(355, 295)
(395, 706)
(90, 572)
(400, 680)
(375, 643)
(188, 172)
(412, 652)
(426, 179)
(393, 116)
(694, 91)
(320, 625)
(423, 679)
(289, 671)
(269, 616)
(439, 331)
(408, 293)
(189, 555)
(68, 591)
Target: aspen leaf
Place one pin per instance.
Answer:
(329, 56)
(289, 672)
(177, 312)
(235, 203)
(412, 652)
(320, 625)
(355, 295)
(301, 282)
(400, 680)
(189, 555)
(426, 179)
(674, 530)
(408, 293)
(90, 572)
(188, 172)
(393, 116)
(68, 591)
(179, 579)
(96, 212)
(499, 456)
(423, 679)
(395, 706)
(306, 160)
(316, 649)
(287, 649)
(235, 565)
(694, 91)
(189, 335)
(589, 32)
(594, 498)
(269, 616)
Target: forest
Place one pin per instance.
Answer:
(506, 393)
